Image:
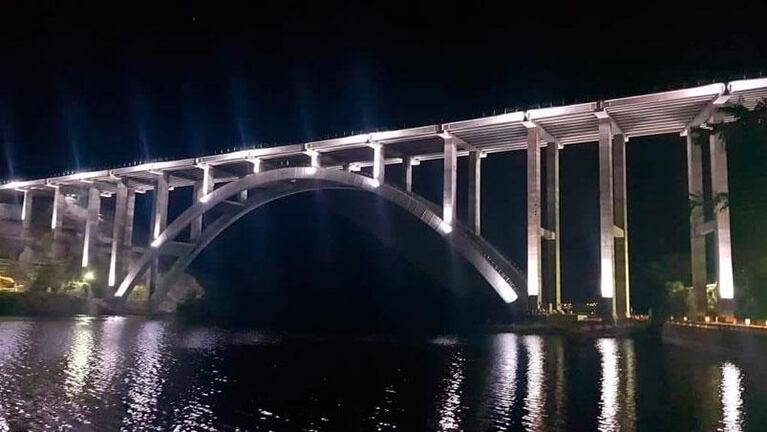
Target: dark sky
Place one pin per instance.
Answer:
(87, 87)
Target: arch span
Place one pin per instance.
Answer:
(505, 279)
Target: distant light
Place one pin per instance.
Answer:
(89, 276)
(707, 319)
(415, 162)
(445, 227)
(354, 168)
(747, 321)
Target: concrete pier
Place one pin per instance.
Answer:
(475, 191)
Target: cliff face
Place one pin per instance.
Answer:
(42, 262)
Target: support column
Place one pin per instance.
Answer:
(553, 274)
(201, 188)
(449, 181)
(159, 222)
(722, 242)
(606, 217)
(407, 173)
(118, 231)
(622, 288)
(534, 280)
(57, 216)
(90, 238)
(697, 241)
(475, 189)
(130, 209)
(26, 210)
(379, 163)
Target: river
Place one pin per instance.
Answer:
(102, 374)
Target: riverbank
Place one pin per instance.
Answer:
(41, 304)
(746, 342)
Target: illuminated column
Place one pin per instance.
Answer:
(697, 241)
(606, 216)
(90, 238)
(379, 165)
(118, 231)
(26, 210)
(57, 216)
(475, 188)
(552, 275)
(534, 281)
(159, 221)
(449, 181)
(622, 291)
(723, 248)
(407, 173)
(130, 209)
(202, 188)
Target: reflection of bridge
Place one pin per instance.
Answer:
(233, 184)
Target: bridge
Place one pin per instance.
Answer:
(230, 185)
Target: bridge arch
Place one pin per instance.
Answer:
(275, 184)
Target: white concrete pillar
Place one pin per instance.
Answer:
(130, 209)
(26, 210)
(697, 241)
(90, 238)
(552, 286)
(159, 222)
(202, 188)
(379, 165)
(160, 205)
(449, 180)
(118, 231)
(407, 173)
(622, 288)
(606, 215)
(475, 191)
(57, 216)
(722, 245)
(534, 280)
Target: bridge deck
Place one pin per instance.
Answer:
(636, 116)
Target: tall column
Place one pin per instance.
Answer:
(118, 231)
(160, 206)
(606, 217)
(534, 280)
(723, 247)
(26, 210)
(475, 189)
(57, 216)
(449, 175)
(379, 163)
(202, 188)
(697, 241)
(90, 238)
(130, 209)
(159, 221)
(622, 290)
(407, 173)
(552, 283)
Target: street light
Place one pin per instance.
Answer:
(89, 276)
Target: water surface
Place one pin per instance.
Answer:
(136, 374)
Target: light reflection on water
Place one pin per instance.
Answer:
(450, 409)
(146, 377)
(535, 402)
(731, 391)
(134, 374)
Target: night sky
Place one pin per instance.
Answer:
(84, 88)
